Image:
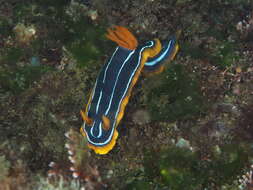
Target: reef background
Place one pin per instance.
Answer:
(188, 128)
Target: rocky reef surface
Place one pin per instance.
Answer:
(188, 128)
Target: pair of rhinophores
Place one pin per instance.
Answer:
(110, 95)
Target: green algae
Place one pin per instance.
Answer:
(86, 49)
(139, 185)
(180, 168)
(77, 34)
(222, 55)
(17, 80)
(4, 167)
(12, 55)
(176, 96)
(225, 55)
(87, 42)
(57, 3)
(194, 51)
(5, 26)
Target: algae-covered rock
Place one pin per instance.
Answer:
(17, 80)
(4, 167)
(180, 168)
(174, 95)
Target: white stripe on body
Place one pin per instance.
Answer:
(116, 81)
(151, 63)
(109, 64)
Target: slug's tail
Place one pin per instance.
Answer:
(123, 37)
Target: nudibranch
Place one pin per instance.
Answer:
(110, 95)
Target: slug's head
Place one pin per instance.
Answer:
(100, 133)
